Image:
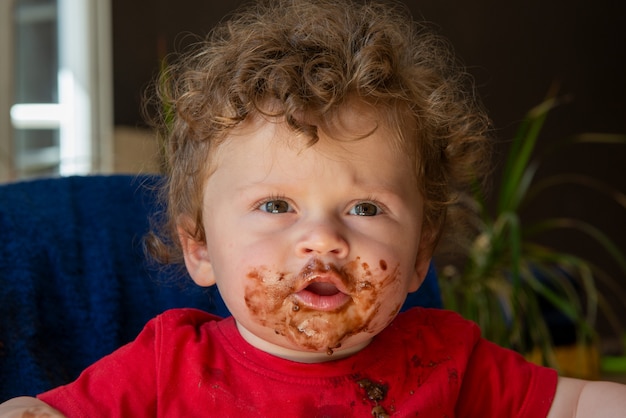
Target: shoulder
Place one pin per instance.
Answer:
(177, 323)
(186, 316)
(181, 319)
(436, 323)
(493, 381)
(168, 349)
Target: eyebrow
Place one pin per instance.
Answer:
(363, 190)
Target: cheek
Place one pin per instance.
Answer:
(266, 293)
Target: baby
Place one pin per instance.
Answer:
(312, 149)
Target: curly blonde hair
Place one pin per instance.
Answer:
(311, 58)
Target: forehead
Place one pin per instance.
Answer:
(349, 124)
(265, 151)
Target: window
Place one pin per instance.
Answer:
(56, 88)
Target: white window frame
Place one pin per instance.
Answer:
(84, 114)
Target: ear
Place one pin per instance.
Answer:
(422, 262)
(197, 259)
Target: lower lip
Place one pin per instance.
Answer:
(321, 303)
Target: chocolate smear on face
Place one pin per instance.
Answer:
(383, 265)
(271, 299)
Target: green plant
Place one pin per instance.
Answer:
(506, 276)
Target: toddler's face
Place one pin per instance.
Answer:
(313, 248)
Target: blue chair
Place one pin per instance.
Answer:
(75, 283)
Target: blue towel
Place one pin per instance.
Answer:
(74, 281)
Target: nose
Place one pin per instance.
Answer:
(322, 238)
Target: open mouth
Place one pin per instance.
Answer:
(322, 296)
(322, 289)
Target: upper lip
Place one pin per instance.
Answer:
(317, 271)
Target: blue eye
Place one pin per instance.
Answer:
(365, 209)
(275, 206)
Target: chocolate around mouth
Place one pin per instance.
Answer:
(319, 307)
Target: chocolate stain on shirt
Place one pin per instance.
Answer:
(375, 392)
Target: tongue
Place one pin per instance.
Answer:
(323, 289)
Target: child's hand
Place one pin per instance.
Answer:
(26, 407)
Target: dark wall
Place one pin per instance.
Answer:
(516, 50)
(143, 32)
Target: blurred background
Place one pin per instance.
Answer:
(73, 73)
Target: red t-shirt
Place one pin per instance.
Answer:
(427, 363)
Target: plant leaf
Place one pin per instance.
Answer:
(521, 151)
(575, 179)
(584, 227)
